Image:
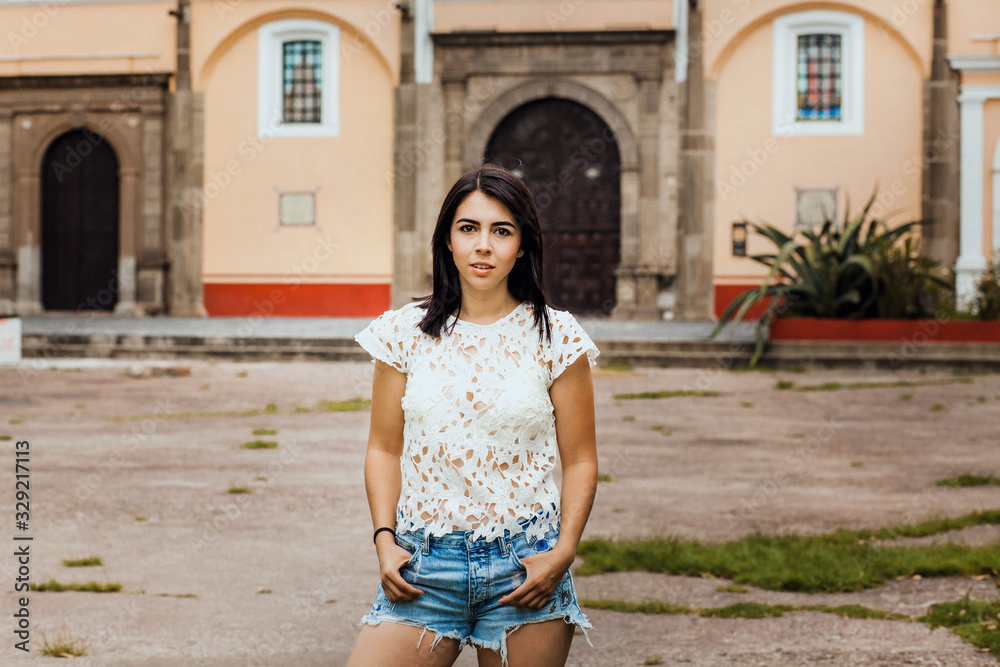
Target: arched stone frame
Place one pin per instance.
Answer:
(351, 38)
(123, 134)
(498, 109)
(714, 68)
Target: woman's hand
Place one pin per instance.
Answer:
(544, 572)
(392, 557)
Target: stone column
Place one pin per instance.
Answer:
(7, 263)
(455, 127)
(27, 194)
(939, 203)
(130, 206)
(638, 275)
(971, 261)
(695, 215)
(185, 177)
(405, 271)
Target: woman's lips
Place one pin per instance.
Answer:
(481, 272)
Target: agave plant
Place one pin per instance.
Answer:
(837, 271)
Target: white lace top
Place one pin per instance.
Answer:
(479, 427)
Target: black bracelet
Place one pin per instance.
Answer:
(380, 530)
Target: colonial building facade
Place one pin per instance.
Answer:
(288, 157)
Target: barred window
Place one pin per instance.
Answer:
(302, 81)
(819, 77)
(818, 74)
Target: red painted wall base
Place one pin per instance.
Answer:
(295, 300)
(724, 294)
(916, 331)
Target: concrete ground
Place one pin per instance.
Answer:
(131, 461)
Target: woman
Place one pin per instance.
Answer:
(470, 405)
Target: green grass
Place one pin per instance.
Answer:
(259, 444)
(938, 407)
(54, 586)
(352, 404)
(604, 477)
(732, 588)
(837, 562)
(238, 489)
(836, 386)
(141, 518)
(969, 480)
(668, 394)
(975, 621)
(83, 562)
(264, 431)
(63, 648)
(741, 609)
(343, 406)
(662, 429)
(617, 367)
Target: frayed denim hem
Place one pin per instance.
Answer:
(582, 623)
(370, 620)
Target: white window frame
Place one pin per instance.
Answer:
(270, 61)
(787, 29)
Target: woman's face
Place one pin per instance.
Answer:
(483, 231)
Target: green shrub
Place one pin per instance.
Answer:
(987, 304)
(856, 269)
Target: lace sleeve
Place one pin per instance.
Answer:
(569, 341)
(387, 339)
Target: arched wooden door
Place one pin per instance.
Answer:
(570, 161)
(80, 223)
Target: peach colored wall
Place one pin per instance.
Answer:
(973, 17)
(889, 151)
(55, 31)
(243, 239)
(369, 27)
(544, 15)
(727, 22)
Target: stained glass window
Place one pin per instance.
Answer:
(819, 77)
(302, 81)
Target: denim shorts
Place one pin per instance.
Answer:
(463, 579)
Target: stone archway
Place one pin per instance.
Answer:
(127, 112)
(632, 285)
(617, 75)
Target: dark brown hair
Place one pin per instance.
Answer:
(524, 281)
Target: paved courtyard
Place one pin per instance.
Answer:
(133, 462)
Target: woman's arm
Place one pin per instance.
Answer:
(383, 479)
(572, 396)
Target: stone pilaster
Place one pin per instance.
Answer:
(696, 185)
